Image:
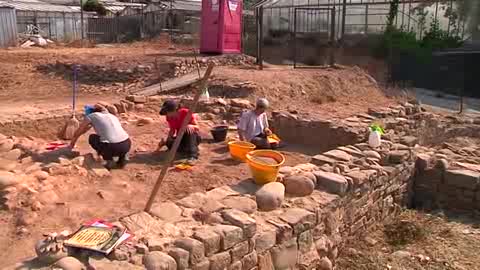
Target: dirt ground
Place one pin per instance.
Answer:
(28, 85)
(126, 191)
(417, 241)
(37, 79)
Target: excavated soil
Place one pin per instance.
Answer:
(420, 242)
(31, 84)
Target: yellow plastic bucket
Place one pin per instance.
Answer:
(239, 149)
(265, 172)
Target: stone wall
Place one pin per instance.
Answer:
(303, 220)
(38, 126)
(313, 131)
(440, 184)
(300, 222)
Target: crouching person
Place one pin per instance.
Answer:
(253, 126)
(191, 139)
(110, 139)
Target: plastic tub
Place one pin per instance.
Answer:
(264, 165)
(239, 149)
(219, 133)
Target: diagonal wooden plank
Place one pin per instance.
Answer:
(172, 84)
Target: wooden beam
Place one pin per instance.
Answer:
(173, 151)
(172, 84)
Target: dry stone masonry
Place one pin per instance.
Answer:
(299, 222)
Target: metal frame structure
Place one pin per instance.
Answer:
(332, 42)
(348, 17)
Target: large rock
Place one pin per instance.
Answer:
(104, 263)
(241, 103)
(242, 220)
(298, 185)
(210, 240)
(462, 178)
(243, 204)
(422, 162)
(50, 256)
(320, 160)
(167, 211)
(372, 154)
(159, 261)
(399, 156)
(7, 179)
(409, 140)
(332, 182)
(69, 263)
(270, 196)
(137, 99)
(7, 165)
(339, 155)
(6, 145)
(325, 264)
(195, 248)
(13, 154)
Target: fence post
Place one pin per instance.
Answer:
(295, 38)
(366, 19)
(332, 38)
(81, 22)
(344, 18)
(260, 37)
(117, 27)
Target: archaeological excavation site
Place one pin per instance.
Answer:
(336, 201)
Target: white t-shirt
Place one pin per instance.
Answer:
(108, 127)
(252, 124)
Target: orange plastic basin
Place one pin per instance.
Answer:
(264, 165)
(239, 149)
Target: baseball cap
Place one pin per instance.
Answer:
(89, 109)
(168, 106)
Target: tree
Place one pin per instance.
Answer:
(94, 6)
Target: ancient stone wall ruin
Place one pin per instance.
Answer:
(303, 220)
(322, 134)
(276, 226)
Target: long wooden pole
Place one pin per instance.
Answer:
(173, 151)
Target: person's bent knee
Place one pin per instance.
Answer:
(93, 139)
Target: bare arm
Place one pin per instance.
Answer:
(171, 133)
(241, 134)
(82, 129)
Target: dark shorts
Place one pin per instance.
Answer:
(188, 145)
(110, 150)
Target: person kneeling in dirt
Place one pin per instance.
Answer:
(110, 139)
(253, 126)
(175, 115)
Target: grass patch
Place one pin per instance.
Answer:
(404, 232)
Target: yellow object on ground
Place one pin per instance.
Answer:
(239, 149)
(183, 166)
(273, 139)
(263, 170)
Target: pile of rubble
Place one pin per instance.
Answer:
(95, 78)
(28, 41)
(190, 65)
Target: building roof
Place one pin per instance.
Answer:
(181, 5)
(35, 5)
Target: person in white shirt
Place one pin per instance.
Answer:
(109, 140)
(253, 126)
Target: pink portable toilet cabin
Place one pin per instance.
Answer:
(221, 26)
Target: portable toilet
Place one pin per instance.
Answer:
(221, 26)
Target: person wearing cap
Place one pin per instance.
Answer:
(175, 115)
(253, 126)
(110, 139)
